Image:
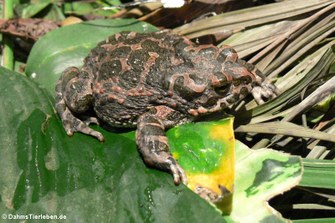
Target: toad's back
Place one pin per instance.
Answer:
(133, 71)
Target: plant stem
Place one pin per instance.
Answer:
(8, 53)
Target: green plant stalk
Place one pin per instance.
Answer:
(318, 173)
(316, 220)
(8, 53)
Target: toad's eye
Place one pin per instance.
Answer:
(246, 80)
(244, 91)
(227, 54)
(236, 82)
(223, 89)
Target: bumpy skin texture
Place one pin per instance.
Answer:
(153, 81)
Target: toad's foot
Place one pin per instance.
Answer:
(153, 144)
(264, 90)
(65, 102)
(72, 124)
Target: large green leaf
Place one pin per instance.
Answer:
(79, 177)
(42, 171)
(45, 172)
(67, 46)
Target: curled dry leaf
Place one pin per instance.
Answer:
(31, 29)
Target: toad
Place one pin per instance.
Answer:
(154, 81)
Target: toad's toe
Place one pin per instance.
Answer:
(177, 172)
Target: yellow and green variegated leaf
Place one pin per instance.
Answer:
(206, 152)
(261, 175)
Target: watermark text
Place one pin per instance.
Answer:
(33, 217)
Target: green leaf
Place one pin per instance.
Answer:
(45, 172)
(92, 8)
(29, 10)
(208, 159)
(54, 13)
(318, 173)
(67, 46)
(206, 155)
(259, 176)
(19, 97)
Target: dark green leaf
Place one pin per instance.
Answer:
(43, 171)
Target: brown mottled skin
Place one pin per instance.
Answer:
(153, 81)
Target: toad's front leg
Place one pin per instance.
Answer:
(153, 143)
(73, 95)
